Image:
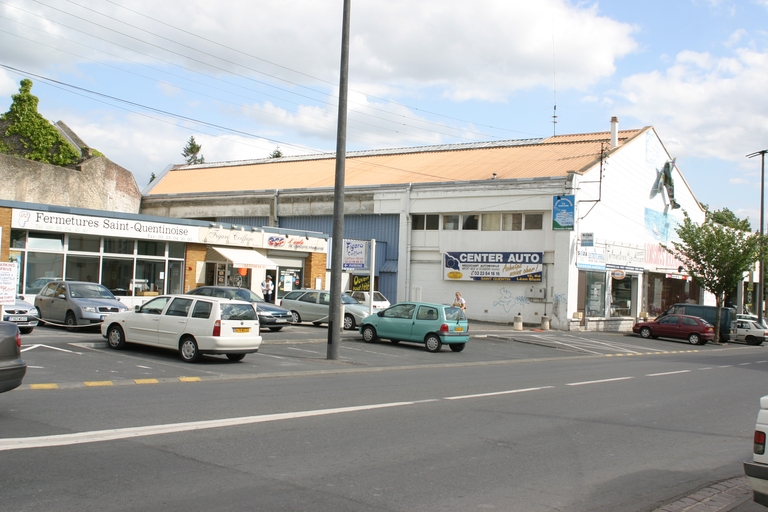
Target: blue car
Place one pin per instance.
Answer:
(419, 322)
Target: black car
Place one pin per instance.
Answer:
(270, 316)
(12, 368)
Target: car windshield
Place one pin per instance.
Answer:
(379, 297)
(456, 314)
(237, 312)
(89, 291)
(346, 299)
(247, 295)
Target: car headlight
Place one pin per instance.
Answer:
(88, 309)
(265, 313)
(33, 312)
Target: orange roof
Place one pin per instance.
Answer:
(532, 158)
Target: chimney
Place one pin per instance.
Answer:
(614, 132)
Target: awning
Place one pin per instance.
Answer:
(389, 266)
(245, 258)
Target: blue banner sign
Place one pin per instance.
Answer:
(563, 212)
(493, 266)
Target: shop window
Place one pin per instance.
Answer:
(150, 277)
(150, 248)
(46, 241)
(471, 222)
(175, 283)
(621, 296)
(42, 268)
(289, 279)
(176, 250)
(450, 222)
(534, 220)
(84, 243)
(118, 246)
(82, 268)
(18, 239)
(117, 274)
(512, 222)
(595, 305)
(491, 222)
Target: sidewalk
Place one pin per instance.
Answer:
(720, 497)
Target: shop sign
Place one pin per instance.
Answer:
(624, 257)
(361, 283)
(563, 213)
(8, 282)
(102, 226)
(618, 274)
(493, 266)
(587, 239)
(590, 258)
(354, 256)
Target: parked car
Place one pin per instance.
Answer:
(750, 331)
(35, 286)
(727, 316)
(314, 305)
(757, 469)
(270, 316)
(192, 324)
(420, 322)
(23, 314)
(692, 328)
(12, 368)
(76, 303)
(379, 300)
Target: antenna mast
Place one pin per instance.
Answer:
(554, 81)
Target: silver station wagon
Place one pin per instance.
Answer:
(314, 306)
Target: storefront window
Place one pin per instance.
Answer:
(46, 241)
(150, 277)
(666, 289)
(288, 280)
(82, 268)
(17, 257)
(595, 305)
(175, 283)
(176, 249)
(42, 268)
(116, 274)
(150, 248)
(18, 239)
(621, 296)
(84, 243)
(118, 246)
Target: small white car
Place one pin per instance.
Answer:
(757, 469)
(749, 331)
(191, 324)
(379, 301)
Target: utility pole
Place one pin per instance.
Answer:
(335, 322)
(762, 229)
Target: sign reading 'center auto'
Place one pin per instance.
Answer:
(493, 266)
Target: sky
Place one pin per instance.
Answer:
(135, 80)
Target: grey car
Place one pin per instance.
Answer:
(12, 368)
(314, 306)
(23, 314)
(74, 303)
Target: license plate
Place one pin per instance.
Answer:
(242, 329)
(459, 329)
(281, 321)
(17, 319)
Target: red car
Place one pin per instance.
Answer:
(692, 328)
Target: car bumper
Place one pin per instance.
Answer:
(757, 474)
(273, 321)
(11, 375)
(228, 344)
(462, 337)
(28, 321)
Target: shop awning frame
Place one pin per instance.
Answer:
(245, 258)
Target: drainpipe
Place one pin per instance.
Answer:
(275, 220)
(408, 242)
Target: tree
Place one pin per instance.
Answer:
(191, 151)
(29, 135)
(726, 217)
(715, 256)
(276, 153)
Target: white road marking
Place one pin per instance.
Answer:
(32, 347)
(496, 393)
(666, 373)
(598, 381)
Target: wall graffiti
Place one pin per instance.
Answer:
(559, 305)
(507, 300)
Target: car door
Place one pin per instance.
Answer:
(44, 299)
(426, 320)
(742, 329)
(396, 323)
(173, 321)
(668, 326)
(142, 326)
(59, 304)
(306, 305)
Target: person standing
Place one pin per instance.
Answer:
(268, 289)
(459, 302)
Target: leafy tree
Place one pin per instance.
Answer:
(715, 256)
(191, 150)
(726, 217)
(29, 135)
(276, 153)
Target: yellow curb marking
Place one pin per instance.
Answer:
(189, 379)
(43, 386)
(98, 383)
(146, 381)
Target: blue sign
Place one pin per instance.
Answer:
(563, 213)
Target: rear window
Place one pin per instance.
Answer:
(452, 313)
(292, 295)
(237, 312)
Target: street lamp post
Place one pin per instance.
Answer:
(762, 229)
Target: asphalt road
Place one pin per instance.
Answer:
(524, 421)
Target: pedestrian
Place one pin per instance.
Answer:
(459, 302)
(268, 289)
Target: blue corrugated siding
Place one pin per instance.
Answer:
(245, 221)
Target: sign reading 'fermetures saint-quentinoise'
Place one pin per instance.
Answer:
(493, 266)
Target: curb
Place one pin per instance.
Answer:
(720, 497)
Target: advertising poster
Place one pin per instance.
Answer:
(493, 266)
(563, 212)
(8, 282)
(355, 255)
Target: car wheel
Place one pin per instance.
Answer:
(235, 357)
(369, 334)
(433, 343)
(275, 329)
(115, 337)
(751, 340)
(694, 338)
(26, 330)
(295, 317)
(188, 350)
(457, 347)
(349, 322)
(70, 320)
(645, 332)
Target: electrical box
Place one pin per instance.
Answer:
(534, 292)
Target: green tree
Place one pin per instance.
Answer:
(191, 150)
(276, 153)
(715, 256)
(29, 135)
(726, 217)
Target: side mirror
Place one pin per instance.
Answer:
(61, 296)
(380, 313)
(136, 308)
